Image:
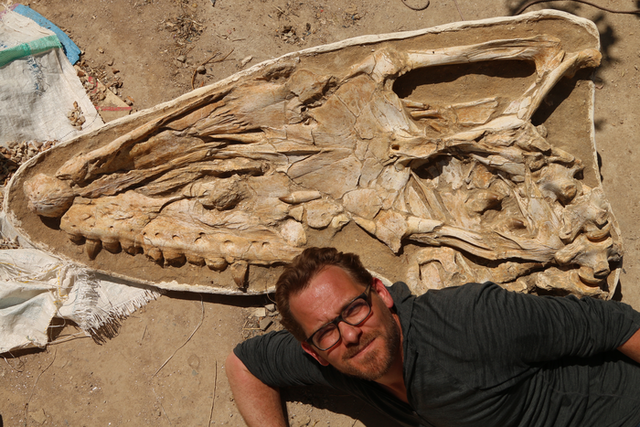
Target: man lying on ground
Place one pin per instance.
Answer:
(473, 355)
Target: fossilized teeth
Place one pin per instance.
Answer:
(78, 239)
(301, 196)
(130, 247)
(195, 260)
(111, 246)
(239, 271)
(93, 248)
(155, 254)
(173, 257)
(217, 264)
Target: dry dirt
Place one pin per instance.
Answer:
(164, 365)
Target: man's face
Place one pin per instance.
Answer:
(366, 351)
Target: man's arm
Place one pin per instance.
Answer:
(631, 348)
(528, 328)
(258, 403)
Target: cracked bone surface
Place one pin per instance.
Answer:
(250, 171)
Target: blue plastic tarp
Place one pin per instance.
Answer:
(70, 49)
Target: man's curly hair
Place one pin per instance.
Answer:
(306, 266)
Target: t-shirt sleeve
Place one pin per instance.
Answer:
(547, 328)
(509, 329)
(278, 360)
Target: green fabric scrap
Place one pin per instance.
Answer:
(30, 48)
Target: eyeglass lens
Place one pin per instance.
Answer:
(353, 315)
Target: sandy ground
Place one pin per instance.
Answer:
(164, 365)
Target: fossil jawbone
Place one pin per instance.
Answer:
(420, 144)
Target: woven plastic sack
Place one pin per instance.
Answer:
(38, 85)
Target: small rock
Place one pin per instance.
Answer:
(270, 307)
(201, 69)
(259, 312)
(101, 50)
(181, 58)
(245, 61)
(110, 62)
(38, 416)
(301, 421)
(115, 70)
(194, 362)
(265, 323)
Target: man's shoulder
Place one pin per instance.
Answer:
(277, 359)
(456, 305)
(400, 292)
(470, 291)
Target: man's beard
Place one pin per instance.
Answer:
(375, 363)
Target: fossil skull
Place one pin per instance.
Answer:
(241, 174)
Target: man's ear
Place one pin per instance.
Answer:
(312, 351)
(382, 291)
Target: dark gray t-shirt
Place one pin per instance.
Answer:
(477, 355)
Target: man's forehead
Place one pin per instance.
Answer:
(327, 293)
(337, 279)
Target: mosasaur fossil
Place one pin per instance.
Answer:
(241, 176)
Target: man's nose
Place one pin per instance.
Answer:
(350, 334)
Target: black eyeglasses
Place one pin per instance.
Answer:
(354, 314)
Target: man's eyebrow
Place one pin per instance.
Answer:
(344, 307)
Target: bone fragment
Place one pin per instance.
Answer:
(592, 257)
(293, 233)
(48, 196)
(321, 212)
